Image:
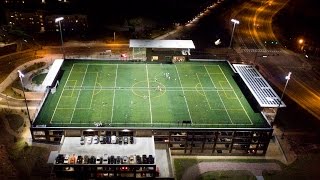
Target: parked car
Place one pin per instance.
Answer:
(92, 160)
(105, 159)
(82, 140)
(86, 159)
(95, 139)
(131, 140)
(72, 159)
(60, 159)
(150, 159)
(66, 159)
(99, 160)
(120, 140)
(108, 139)
(113, 139)
(89, 140)
(118, 160)
(138, 159)
(132, 159)
(80, 160)
(125, 160)
(125, 140)
(103, 140)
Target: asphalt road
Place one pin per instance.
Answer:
(254, 30)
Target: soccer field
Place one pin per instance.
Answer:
(148, 95)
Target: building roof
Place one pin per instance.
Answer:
(175, 44)
(258, 86)
(53, 71)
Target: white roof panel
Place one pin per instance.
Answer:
(148, 43)
(53, 71)
(258, 86)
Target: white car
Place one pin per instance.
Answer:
(89, 139)
(66, 159)
(95, 139)
(113, 139)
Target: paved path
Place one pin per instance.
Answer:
(256, 169)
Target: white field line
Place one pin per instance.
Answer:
(75, 106)
(185, 100)
(114, 92)
(236, 96)
(54, 112)
(220, 96)
(203, 92)
(149, 93)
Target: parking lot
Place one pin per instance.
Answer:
(141, 146)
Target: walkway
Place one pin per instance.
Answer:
(256, 169)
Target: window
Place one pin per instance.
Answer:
(154, 58)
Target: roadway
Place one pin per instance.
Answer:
(256, 40)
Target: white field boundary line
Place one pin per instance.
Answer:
(138, 87)
(75, 106)
(237, 96)
(185, 100)
(149, 95)
(174, 124)
(204, 94)
(114, 92)
(93, 91)
(210, 76)
(54, 112)
(219, 95)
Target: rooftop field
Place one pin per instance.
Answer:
(148, 95)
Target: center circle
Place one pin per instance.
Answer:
(142, 89)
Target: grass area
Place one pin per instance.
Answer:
(15, 121)
(39, 78)
(228, 175)
(146, 95)
(182, 164)
(305, 167)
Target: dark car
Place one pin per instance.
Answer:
(102, 140)
(86, 159)
(150, 159)
(144, 159)
(138, 159)
(60, 159)
(92, 160)
(112, 160)
(79, 160)
(108, 139)
(118, 160)
(131, 140)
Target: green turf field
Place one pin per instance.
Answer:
(148, 95)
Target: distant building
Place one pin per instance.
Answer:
(71, 23)
(39, 21)
(28, 21)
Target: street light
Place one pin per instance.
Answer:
(59, 19)
(24, 95)
(285, 87)
(234, 26)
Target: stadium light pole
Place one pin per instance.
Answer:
(285, 87)
(59, 19)
(21, 75)
(234, 26)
